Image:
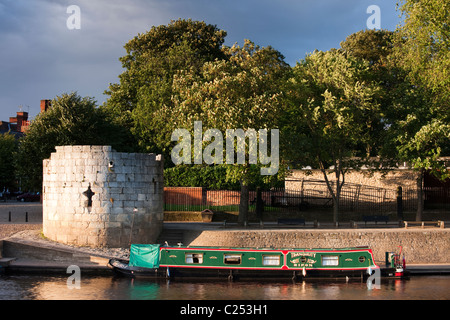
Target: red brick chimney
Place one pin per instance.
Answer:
(45, 104)
(21, 121)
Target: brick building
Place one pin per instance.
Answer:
(19, 124)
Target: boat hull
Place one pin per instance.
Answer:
(259, 275)
(122, 269)
(245, 263)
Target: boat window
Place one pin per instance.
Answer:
(273, 260)
(362, 259)
(194, 258)
(303, 259)
(232, 259)
(330, 260)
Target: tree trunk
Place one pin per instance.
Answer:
(259, 204)
(335, 194)
(335, 209)
(243, 204)
(419, 196)
(337, 197)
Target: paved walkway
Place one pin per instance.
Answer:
(19, 212)
(309, 225)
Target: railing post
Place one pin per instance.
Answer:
(400, 203)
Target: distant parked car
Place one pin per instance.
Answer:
(29, 197)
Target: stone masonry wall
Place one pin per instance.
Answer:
(363, 189)
(419, 246)
(126, 204)
(389, 180)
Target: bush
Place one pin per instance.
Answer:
(210, 177)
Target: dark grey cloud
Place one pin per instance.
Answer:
(41, 58)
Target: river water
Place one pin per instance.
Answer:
(33, 287)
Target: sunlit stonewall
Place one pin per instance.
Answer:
(97, 197)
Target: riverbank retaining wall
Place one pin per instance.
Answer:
(419, 246)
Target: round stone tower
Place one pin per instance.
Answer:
(94, 196)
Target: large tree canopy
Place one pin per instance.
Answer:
(422, 51)
(8, 148)
(71, 120)
(410, 66)
(152, 60)
(423, 48)
(329, 109)
(240, 92)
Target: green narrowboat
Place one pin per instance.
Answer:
(260, 263)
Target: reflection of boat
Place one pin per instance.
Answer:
(262, 263)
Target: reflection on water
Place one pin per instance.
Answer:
(110, 288)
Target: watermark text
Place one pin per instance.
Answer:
(74, 281)
(74, 20)
(213, 152)
(374, 21)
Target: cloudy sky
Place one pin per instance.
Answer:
(41, 58)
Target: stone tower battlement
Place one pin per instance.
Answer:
(94, 196)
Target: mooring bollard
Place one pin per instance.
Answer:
(9, 217)
(26, 216)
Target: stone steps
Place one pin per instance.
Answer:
(173, 237)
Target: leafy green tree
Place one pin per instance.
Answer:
(151, 63)
(413, 126)
(373, 48)
(421, 50)
(421, 145)
(179, 73)
(72, 120)
(8, 149)
(240, 92)
(212, 177)
(423, 46)
(329, 107)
